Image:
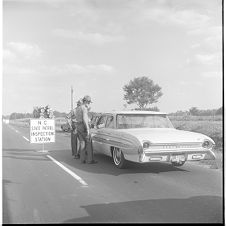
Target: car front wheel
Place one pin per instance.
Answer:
(118, 158)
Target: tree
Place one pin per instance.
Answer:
(142, 91)
(219, 111)
(43, 112)
(36, 113)
(194, 111)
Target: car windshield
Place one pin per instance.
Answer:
(143, 121)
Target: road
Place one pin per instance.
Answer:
(52, 187)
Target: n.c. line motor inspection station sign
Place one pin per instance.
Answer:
(42, 130)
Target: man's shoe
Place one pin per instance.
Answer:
(76, 156)
(92, 162)
(83, 161)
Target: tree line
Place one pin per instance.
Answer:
(194, 111)
(16, 115)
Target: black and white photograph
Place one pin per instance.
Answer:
(112, 111)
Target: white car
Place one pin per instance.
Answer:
(147, 136)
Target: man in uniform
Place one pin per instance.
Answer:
(83, 131)
(74, 136)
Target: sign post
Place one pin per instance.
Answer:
(42, 131)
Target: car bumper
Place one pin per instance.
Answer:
(169, 156)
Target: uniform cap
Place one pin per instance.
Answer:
(87, 98)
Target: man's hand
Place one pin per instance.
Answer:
(70, 126)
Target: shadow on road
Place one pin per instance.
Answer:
(197, 209)
(106, 166)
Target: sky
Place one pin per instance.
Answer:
(99, 46)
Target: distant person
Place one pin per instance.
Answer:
(86, 151)
(74, 135)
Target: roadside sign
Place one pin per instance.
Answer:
(42, 131)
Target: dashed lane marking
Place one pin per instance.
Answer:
(81, 181)
(26, 138)
(14, 129)
(19, 132)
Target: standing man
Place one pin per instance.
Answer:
(74, 135)
(83, 130)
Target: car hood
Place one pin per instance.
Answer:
(166, 135)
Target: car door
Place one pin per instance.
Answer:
(98, 135)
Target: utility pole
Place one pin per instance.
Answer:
(71, 105)
(71, 98)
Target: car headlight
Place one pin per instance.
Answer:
(146, 144)
(207, 144)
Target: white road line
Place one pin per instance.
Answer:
(68, 171)
(19, 132)
(14, 129)
(25, 138)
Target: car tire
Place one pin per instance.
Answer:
(178, 163)
(118, 158)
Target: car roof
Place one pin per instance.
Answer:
(136, 112)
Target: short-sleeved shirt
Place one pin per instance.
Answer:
(80, 111)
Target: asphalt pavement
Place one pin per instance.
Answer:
(46, 185)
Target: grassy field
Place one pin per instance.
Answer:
(196, 118)
(205, 125)
(208, 125)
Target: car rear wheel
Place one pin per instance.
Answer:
(118, 158)
(178, 163)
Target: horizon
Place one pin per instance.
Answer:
(98, 46)
(119, 110)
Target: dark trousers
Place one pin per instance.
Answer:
(74, 143)
(86, 152)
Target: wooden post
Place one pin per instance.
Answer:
(71, 98)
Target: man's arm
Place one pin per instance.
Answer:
(86, 119)
(69, 118)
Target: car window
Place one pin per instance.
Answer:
(94, 120)
(101, 121)
(97, 118)
(143, 121)
(110, 122)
